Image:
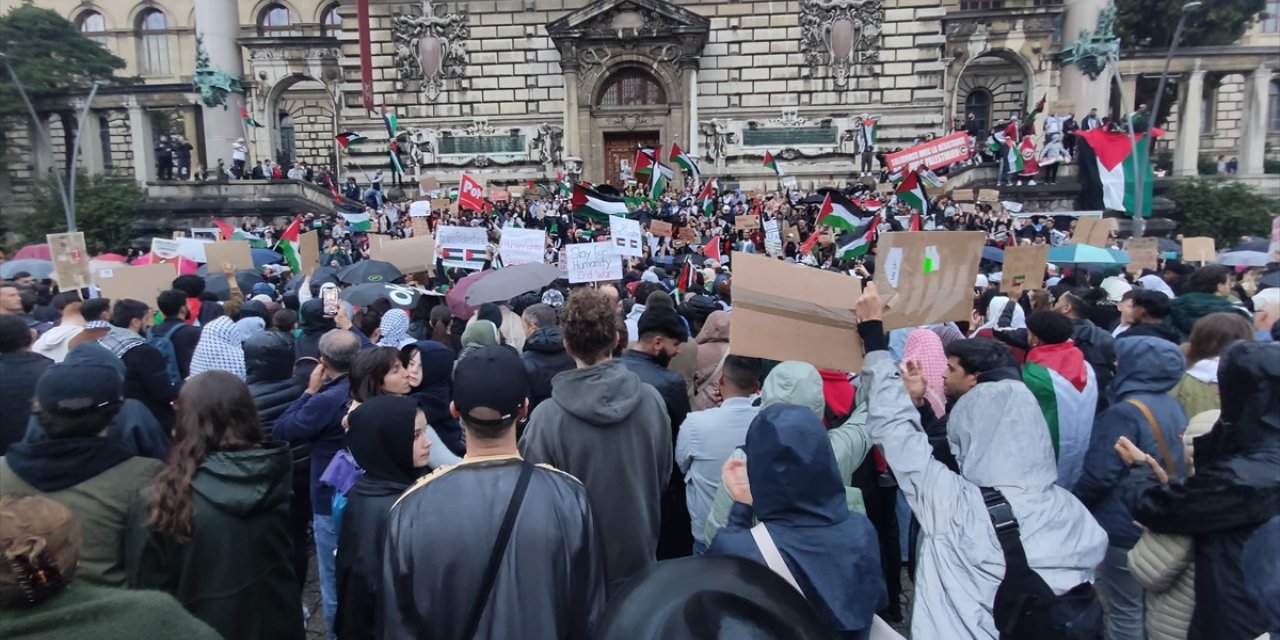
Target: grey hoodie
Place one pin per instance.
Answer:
(611, 431)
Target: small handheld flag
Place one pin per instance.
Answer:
(248, 119)
(346, 138)
(771, 163)
(683, 160)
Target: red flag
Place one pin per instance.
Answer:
(712, 249)
(808, 244)
(470, 194)
(915, 221)
(291, 232)
(225, 229)
(333, 188)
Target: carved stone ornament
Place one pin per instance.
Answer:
(1092, 52)
(213, 84)
(548, 145)
(478, 127)
(789, 118)
(630, 121)
(841, 34)
(431, 46)
(421, 145)
(718, 138)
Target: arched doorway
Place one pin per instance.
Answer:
(303, 127)
(994, 86)
(623, 99)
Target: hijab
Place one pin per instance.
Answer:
(313, 325)
(925, 347)
(394, 329)
(250, 326)
(996, 308)
(435, 393)
(380, 438)
(219, 349)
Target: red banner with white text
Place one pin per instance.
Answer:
(933, 154)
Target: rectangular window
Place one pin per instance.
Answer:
(1271, 24)
(1207, 115)
(104, 141)
(156, 58)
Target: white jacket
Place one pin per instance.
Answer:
(1000, 440)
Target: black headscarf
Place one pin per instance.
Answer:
(435, 392)
(380, 438)
(313, 324)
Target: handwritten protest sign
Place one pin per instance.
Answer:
(462, 247)
(1023, 269)
(746, 223)
(70, 260)
(934, 154)
(1144, 253)
(1091, 231)
(233, 252)
(410, 255)
(420, 208)
(935, 271)
(1198, 249)
(784, 311)
(988, 195)
(626, 236)
(142, 282)
(192, 249)
(520, 246)
(772, 238)
(962, 195)
(592, 262)
(164, 249)
(660, 228)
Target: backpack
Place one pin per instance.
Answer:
(164, 344)
(1025, 607)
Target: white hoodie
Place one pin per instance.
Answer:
(54, 343)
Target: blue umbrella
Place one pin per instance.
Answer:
(39, 269)
(1081, 254)
(263, 257)
(994, 254)
(1120, 256)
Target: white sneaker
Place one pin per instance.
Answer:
(1032, 183)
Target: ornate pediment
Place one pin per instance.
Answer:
(628, 20)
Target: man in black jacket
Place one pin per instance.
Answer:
(146, 378)
(20, 368)
(173, 306)
(544, 355)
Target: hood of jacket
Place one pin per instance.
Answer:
(55, 338)
(999, 437)
(481, 333)
(794, 382)
(1249, 381)
(268, 356)
(716, 328)
(793, 472)
(313, 324)
(602, 394)
(546, 340)
(55, 464)
(1152, 329)
(1146, 365)
(246, 483)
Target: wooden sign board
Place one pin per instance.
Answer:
(784, 311)
(1199, 249)
(746, 223)
(1023, 269)
(233, 252)
(440, 204)
(1144, 253)
(420, 227)
(70, 260)
(688, 234)
(660, 228)
(988, 195)
(141, 282)
(962, 195)
(410, 255)
(927, 277)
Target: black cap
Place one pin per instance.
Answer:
(74, 390)
(663, 320)
(491, 378)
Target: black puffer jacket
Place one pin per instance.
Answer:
(544, 356)
(268, 361)
(1099, 350)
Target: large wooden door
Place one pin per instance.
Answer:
(621, 147)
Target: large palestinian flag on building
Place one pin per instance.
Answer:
(1109, 165)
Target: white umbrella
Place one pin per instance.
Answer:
(1244, 259)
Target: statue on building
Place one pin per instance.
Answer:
(718, 138)
(421, 145)
(212, 83)
(843, 35)
(1092, 52)
(430, 47)
(548, 144)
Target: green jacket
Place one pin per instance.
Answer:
(1189, 307)
(86, 612)
(1195, 396)
(799, 383)
(236, 572)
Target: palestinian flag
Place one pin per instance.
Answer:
(915, 221)
(1031, 117)
(360, 221)
(288, 245)
(658, 181)
(393, 123)
(911, 192)
(596, 206)
(838, 212)
(345, 139)
(712, 249)
(248, 119)
(870, 128)
(1109, 165)
(1067, 391)
(683, 160)
(224, 229)
(771, 163)
(688, 279)
(810, 242)
(708, 198)
(463, 258)
(857, 242)
(646, 157)
(394, 152)
(563, 184)
(1013, 154)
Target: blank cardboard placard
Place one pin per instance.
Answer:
(962, 195)
(420, 226)
(988, 195)
(660, 228)
(784, 311)
(746, 223)
(1198, 249)
(1023, 269)
(1144, 253)
(428, 184)
(142, 282)
(234, 252)
(1091, 231)
(440, 204)
(309, 251)
(70, 260)
(926, 277)
(410, 255)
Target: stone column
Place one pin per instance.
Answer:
(140, 139)
(572, 137)
(218, 25)
(1075, 87)
(41, 149)
(1129, 97)
(1186, 153)
(1253, 122)
(90, 140)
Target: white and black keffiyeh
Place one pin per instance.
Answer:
(219, 349)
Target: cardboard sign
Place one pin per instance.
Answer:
(427, 184)
(784, 311)
(968, 207)
(926, 277)
(163, 249)
(70, 260)
(746, 223)
(308, 251)
(1144, 253)
(962, 195)
(440, 204)
(772, 238)
(498, 195)
(789, 181)
(233, 252)
(626, 236)
(1023, 269)
(592, 262)
(420, 227)
(934, 154)
(142, 282)
(1198, 249)
(410, 255)
(520, 246)
(420, 208)
(462, 247)
(689, 234)
(660, 228)
(988, 195)
(1091, 231)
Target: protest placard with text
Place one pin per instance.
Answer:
(962, 195)
(934, 154)
(927, 277)
(70, 259)
(1091, 231)
(592, 262)
(746, 223)
(462, 247)
(163, 249)
(988, 195)
(626, 236)
(1023, 269)
(660, 228)
(521, 246)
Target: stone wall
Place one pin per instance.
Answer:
(312, 125)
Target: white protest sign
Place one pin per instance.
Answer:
(165, 249)
(626, 236)
(466, 237)
(772, 238)
(420, 208)
(592, 262)
(520, 246)
(192, 249)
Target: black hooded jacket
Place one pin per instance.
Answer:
(544, 356)
(435, 392)
(268, 361)
(312, 324)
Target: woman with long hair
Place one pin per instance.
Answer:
(1197, 391)
(213, 527)
(380, 371)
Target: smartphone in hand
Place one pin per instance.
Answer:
(329, 298)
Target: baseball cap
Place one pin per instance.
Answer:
(490, 385)
(79, 389)
(663, 320)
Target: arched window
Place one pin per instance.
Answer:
(331, 23)
(630, 87)
(93, 26)
(288, 142)
(275, 21)
(978, 102)
(1273, 107)
(154, 56)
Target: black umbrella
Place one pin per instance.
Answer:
(505, 284)
(369, 271)
(815, 198)
(217, 283)
(363, 295)
(1256, 244)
